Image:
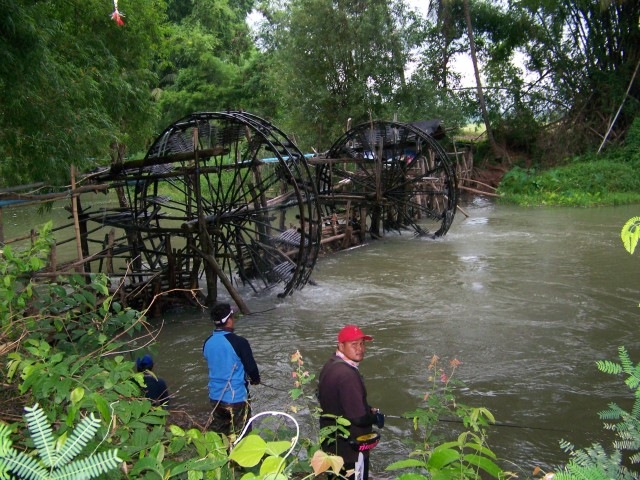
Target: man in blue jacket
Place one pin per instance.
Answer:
(231, 367)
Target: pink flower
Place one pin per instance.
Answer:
(444, 378)
(116, 16)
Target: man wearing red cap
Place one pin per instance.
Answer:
(342, 393)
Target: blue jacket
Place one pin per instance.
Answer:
(230, 362)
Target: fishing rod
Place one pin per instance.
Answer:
(494, 424)
(272, 387)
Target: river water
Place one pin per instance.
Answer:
(526, 299)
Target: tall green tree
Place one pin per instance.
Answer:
(209, 51)
(73, 83)
(477, 30)
(335, 60)
(434, 88)
(581, 56)
(554, 72)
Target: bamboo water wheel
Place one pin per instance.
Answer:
(225, 198)
(220, 196)
(388, 176)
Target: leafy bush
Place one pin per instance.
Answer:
(578, 184)
(466, 457)
(591, 179)
(63, 345)
(596, 462)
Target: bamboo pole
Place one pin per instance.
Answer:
(47, 197)
(53, 258)
(462, 211)
(469, 189)
(76, 223)
(483, 184)
(633, 77)
(210, 259)
(111, 240)
(332, 238)
(174, 158)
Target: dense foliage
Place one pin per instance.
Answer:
(65, 355)
(72, 84)
(555, 78)
(583, 181)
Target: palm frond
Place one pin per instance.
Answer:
(25, 467)
(41, 434)
(607, 366)
(91, 467)
(79, 438)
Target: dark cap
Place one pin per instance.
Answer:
(221, 313)
(144, 363)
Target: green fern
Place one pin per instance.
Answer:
(90, 467)
(584, 473)
(625, 360)
(81, 435)
(51, 464)
(607, 366)
(614, 412)
(24, 466)
(5, 440)
(630, 234)
(41, 434)
(566, 446)
(595, 463)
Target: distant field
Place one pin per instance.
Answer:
(471, 131)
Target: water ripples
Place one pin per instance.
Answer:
(527, 299)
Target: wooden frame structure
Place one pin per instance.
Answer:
(227, 198)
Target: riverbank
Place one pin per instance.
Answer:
(608, 179)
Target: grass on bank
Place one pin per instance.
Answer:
(597, 183)
(609, 178)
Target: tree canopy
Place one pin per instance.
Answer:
(75, 85)
(72, 83)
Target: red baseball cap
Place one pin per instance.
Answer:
(351, 333)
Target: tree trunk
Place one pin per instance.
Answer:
(117, 158)
(474, 59)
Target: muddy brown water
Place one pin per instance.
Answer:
(527, 299)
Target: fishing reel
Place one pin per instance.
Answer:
(363, 443)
